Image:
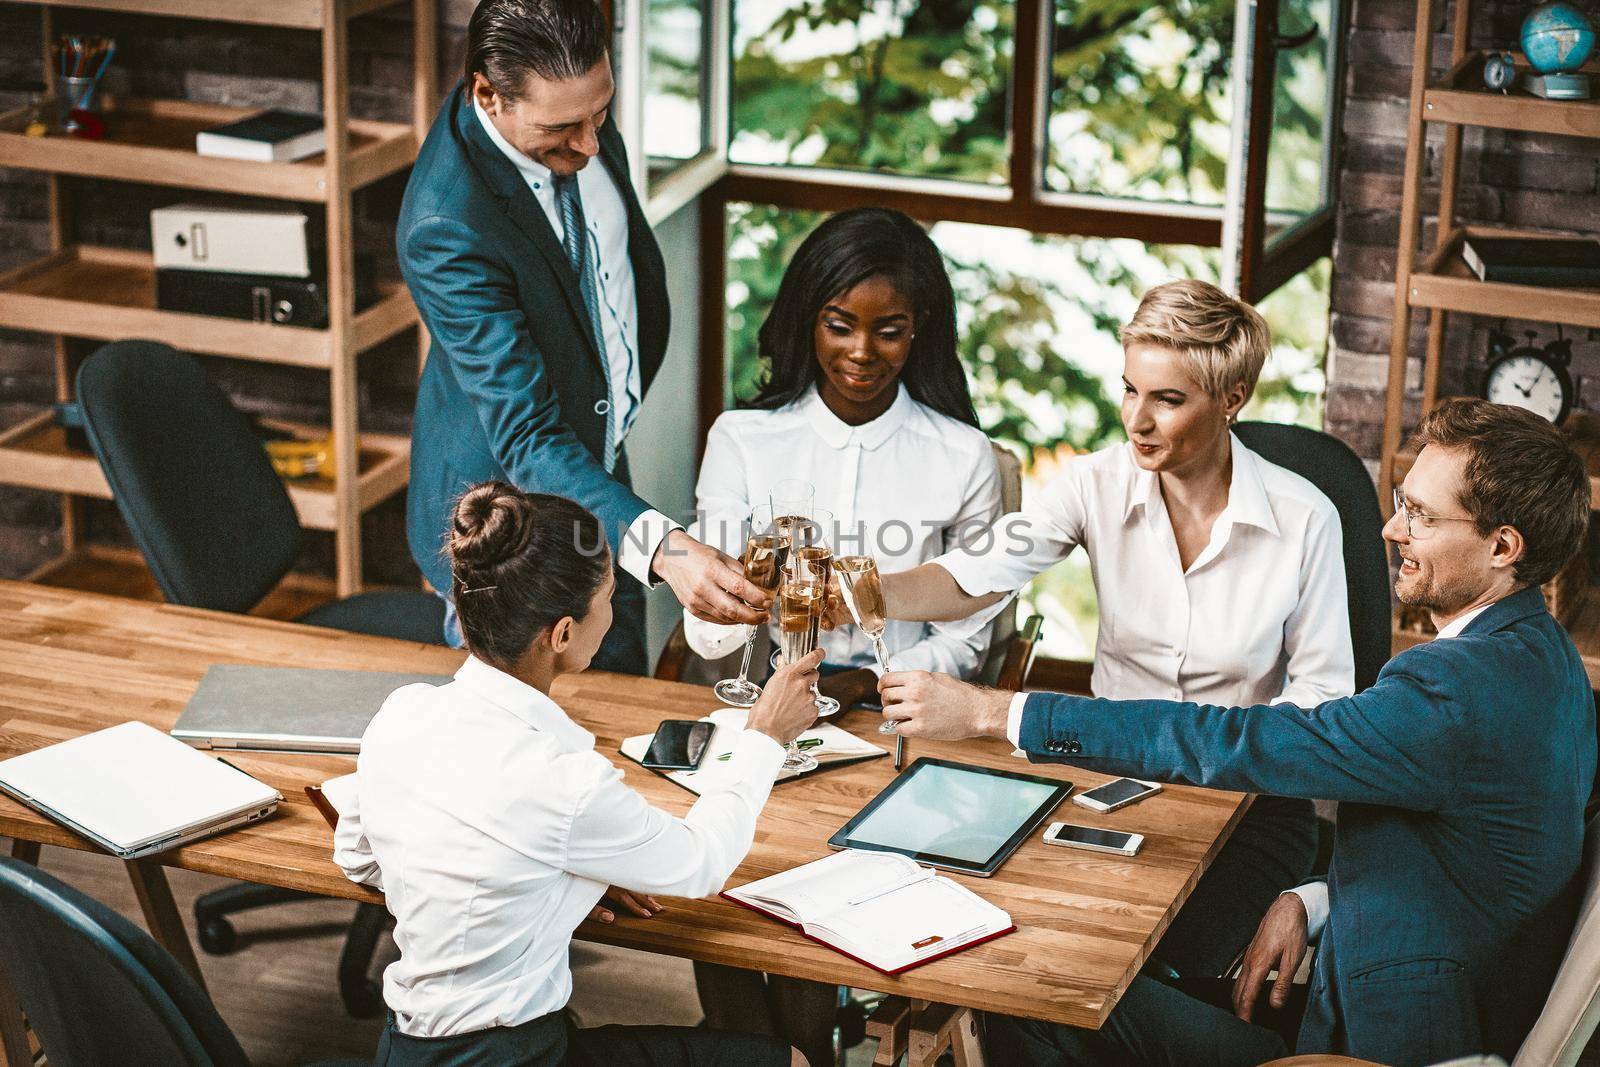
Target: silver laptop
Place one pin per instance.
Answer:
(288, 709)
(134, 791)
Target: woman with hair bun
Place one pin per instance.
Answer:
(494, 828)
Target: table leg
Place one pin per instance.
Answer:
(939, 1027)
(161, 914)
(14, 1048)
(890, 1023)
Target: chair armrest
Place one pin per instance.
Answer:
(1019, 657)
(674, 654)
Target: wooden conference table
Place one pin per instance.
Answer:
(72, 662)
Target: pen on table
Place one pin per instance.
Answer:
(899, 751)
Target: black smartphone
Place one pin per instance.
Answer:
(679, 745)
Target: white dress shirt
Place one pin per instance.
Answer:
(606, 215)
(1258, 617)
(1314, 895)
(901, 488)
(493, 826)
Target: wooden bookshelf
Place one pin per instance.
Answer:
(1444, 282)
(122, 572)
(293, 14)
(34, 453)
(152, 142)
(106, 294)
(99, 294)
(1460, 98)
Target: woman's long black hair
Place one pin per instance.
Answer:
(840, 254)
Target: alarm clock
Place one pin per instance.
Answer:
(1525, 376)
(1499, 71)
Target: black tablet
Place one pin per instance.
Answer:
(953, 815)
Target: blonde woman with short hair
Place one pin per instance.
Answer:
(1220, 579)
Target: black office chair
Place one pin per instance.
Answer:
(96, 989)
(218, 530)
(1329, 464)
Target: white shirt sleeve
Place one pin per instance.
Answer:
(1018, 546)
(618, 838)
(1314, 895)
(351, 849)
(638, 549)
(1316, 636)
(1014, 720)
(958, 648)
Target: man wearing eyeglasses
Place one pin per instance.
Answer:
(1461, 776)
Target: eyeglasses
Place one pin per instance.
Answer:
(1416, 520)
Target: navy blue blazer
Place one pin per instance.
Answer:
(1461, 775)
(513, 376)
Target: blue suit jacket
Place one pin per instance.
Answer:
(1462, 776)
(513, 375)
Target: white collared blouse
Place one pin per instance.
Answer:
(901, 488)
(492, 826)
(1260, 616)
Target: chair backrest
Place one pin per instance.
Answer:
(95, 988)
(1329, 464)
(1573, 1007)
(1005, 624)
(214, 522)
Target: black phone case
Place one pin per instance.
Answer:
(698, 738)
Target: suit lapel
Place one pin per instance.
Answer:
(517, 200)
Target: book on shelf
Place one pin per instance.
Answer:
(270, 137)
(829, 745)
(879, 908)
(1558, 262)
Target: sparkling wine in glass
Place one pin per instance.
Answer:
(810, 550)
(862, 590)
(801, 598)
(765, 553)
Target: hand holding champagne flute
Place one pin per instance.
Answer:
(765, 553)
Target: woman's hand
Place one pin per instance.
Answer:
(786, 706)
(629, 901)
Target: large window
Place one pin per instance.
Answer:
(1037, 332)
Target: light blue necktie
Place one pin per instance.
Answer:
(575, 238)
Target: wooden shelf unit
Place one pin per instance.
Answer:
(1438, 278)
(101, 294)
(105, 294)
(122, 572)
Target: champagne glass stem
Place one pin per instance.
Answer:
(881, 652)
(749, 648)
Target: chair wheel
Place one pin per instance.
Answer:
(218, 937)
(363, 998)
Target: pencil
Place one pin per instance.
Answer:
(899, 751)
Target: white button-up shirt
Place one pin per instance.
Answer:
(1258, 617)
(493, 826)
(606, 215)
(901, 488)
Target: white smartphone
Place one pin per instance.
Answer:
(1114, 795)
(1093, 839)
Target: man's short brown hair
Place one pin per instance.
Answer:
(1520, 472)
(1222, 341)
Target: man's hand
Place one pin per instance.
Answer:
(633, 903)
(709, 583)
(1280, 943)
(938, 706)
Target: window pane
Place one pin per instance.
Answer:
(915, 87)
(1299, 113)
(1038, 320)
(675, 119)
(1140, 100)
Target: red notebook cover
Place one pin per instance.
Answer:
(899, 970)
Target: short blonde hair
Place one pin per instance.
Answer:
(1222, 340)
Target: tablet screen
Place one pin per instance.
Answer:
(953, 815)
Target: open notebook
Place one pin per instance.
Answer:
(879, 908)
(830, 746)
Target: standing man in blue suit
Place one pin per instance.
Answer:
(545, 295)
(1461, 776)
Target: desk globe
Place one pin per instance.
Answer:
(1558, 39)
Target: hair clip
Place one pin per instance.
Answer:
(481, 589)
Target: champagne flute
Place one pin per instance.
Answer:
(862, 590)
(800, 603)
(811, 551)
(765, 553)
(791, 501)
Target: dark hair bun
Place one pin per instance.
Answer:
(492, 524)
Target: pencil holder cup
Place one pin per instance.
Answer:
(72, 94)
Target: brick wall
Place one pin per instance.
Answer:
(1510, 178)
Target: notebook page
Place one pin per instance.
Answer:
(814, 890)
(925, 918)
